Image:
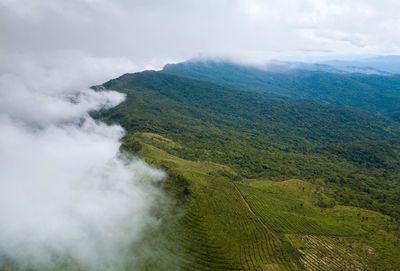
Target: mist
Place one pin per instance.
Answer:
(67, 194)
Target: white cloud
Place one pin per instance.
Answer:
(39, 89)
(65, 190)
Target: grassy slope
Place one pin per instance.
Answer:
(216, 230)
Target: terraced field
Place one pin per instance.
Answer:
(221, 224)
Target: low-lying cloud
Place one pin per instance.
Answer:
(66, 192)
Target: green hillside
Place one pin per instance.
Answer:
(374, 93)
(221, 223)
(262, 183)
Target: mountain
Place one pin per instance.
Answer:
(373, 93)
(194, 102)
(281, 66)
(260, 136)
(390, 63)
(257, 181)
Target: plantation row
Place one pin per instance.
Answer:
(289, 215)
(230, 220)
(218, 232)
(220, 227)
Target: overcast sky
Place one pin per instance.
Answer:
(151, 33)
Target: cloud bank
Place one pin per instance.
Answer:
(66, 192)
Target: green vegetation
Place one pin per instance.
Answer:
(216, 229)
(271, 138)
(262, 183)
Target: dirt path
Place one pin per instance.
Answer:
(258, 218)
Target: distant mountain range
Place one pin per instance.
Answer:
(379, 65)
(367, 89)
(346, 68)
(390, 64)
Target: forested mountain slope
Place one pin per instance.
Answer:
(188, 101)
(266, 137)
(260, 182)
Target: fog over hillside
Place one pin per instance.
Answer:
(65, 188)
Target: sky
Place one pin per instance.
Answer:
(151, 33)
(65, 188)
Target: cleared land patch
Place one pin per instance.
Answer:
(332, 253)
